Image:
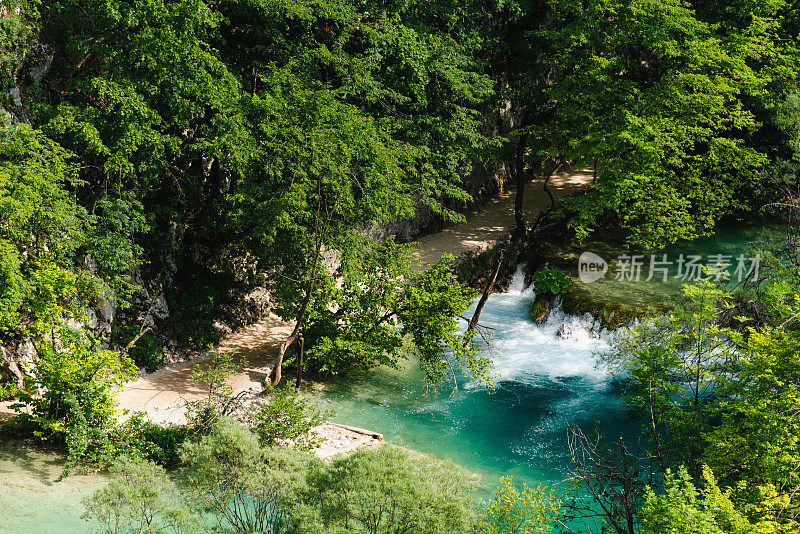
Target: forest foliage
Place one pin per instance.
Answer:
(193, 149)
(232, 483)
(205, 147)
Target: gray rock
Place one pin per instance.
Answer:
(15, 359)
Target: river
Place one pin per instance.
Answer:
(546, 381)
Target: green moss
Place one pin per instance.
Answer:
(579, 300)
(613, 303)
(540, 307)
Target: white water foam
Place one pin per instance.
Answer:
(560, 349)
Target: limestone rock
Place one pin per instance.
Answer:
(14, 359)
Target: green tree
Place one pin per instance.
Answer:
(414, 67)
(140, 498)
(675, 101)
(714, 396)
(214, 375)
(755, 447)
(381, 303)
(259, 132)
(327, 172)
(676, 366)
(70, 394)
(285, 419)
(47, 239)
(143, 103)
(389, 490)
(519, 511)
(683, 509)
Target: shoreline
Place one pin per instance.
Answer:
(162, 395)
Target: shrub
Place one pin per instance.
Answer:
(248, 488)
(550, 281)
(285, 418)
(519, 511)
(683, 509)
(140, 498)
(148, 352)
(387, 490)
(204, 414)
(160, 444)
(70, 396)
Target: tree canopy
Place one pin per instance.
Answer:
(172, 155)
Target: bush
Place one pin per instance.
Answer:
(519, 511)
(683, 509)
(77, 380)
(285, 418)
(248, 488)
(245, 487)
(251, 488)
(389, 489)
(148, 352)
(159, 444)
(70, 396)
(139, 499)
(220, 402)
(551, 281)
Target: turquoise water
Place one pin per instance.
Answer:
(547, 379)
(545, 382)
(730, 240)
(31, 502)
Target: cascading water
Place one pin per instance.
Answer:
(561, 348)
(547, 378)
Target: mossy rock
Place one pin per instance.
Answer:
(541, 306)
(578, 300)
(612, 303)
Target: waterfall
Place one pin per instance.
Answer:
(562, 347)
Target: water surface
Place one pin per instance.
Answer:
(31, 501)
(545, 382)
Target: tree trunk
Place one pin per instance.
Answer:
(473, 323)
(520, 179)
(300, 342)
(300, 314)
(278, 374)
(519, 218)
(295, 332)
(545, 186)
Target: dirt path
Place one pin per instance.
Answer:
(162, 395)
(495, 220)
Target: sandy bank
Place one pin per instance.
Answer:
(162, 395)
